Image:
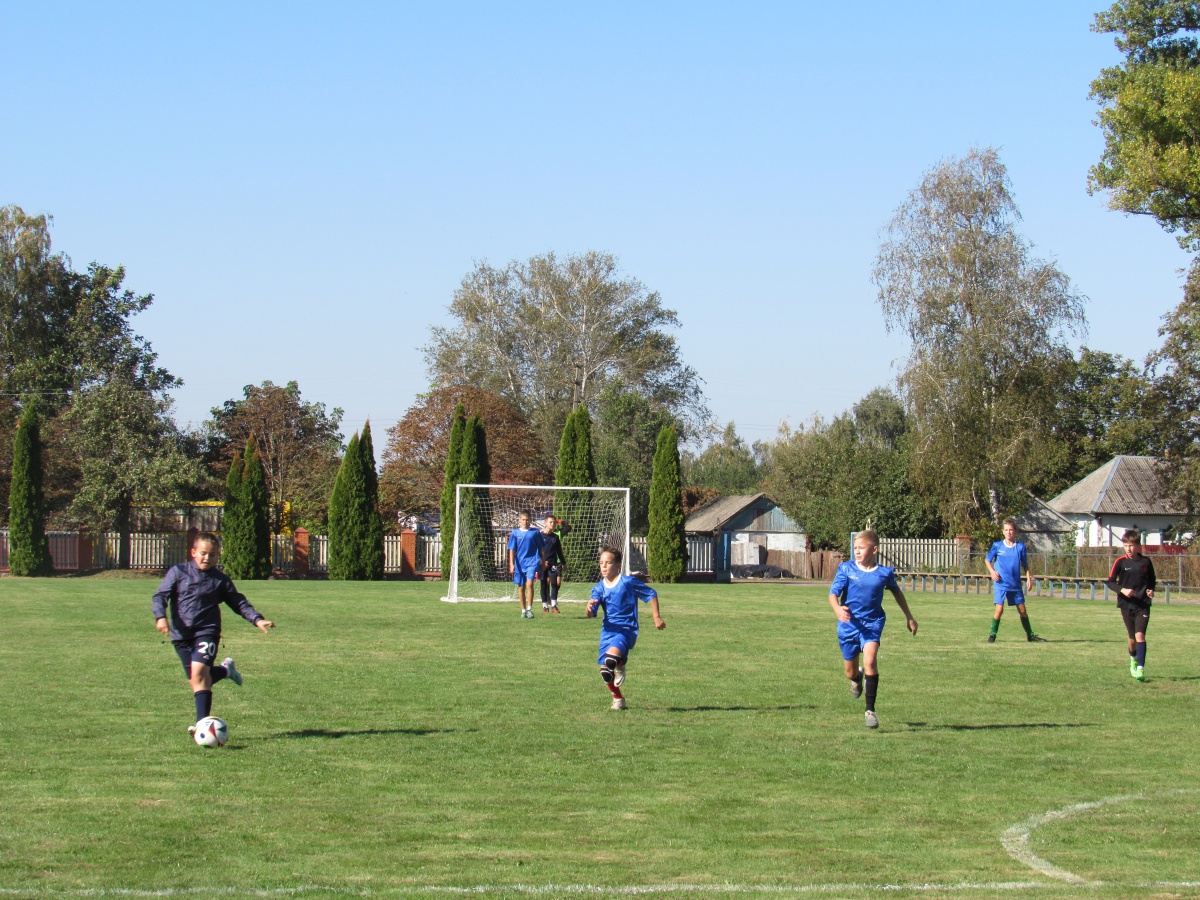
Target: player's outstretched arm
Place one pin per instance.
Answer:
(658, 619)
(902, 602)
(264, 625)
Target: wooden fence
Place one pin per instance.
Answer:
(916, 555)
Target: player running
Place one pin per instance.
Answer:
(192, 592)
(1133, 578)
(1005, 561)
(861, 618)
(619, 594)
(524, 560)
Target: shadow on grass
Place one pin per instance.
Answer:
(687, 709)
(926, 726)
(365, 732)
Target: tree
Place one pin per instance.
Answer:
(254, 495)
(474, 468)
(298, 443)
(623, 441)
(355, 530)
(853, 472)
(29, 550)
(1149, 105)
(237, 538)
(988, 325)
(729, 466)
(666, 544)
(1175, 369)
(128, 452)
(414, 461)
(575, 469)
(548, 334)
(450, 480)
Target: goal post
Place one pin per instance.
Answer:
(485, 514)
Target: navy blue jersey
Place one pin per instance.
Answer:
(861, 590)
(193, 598)
(552, 551)
(1009, 563)
(620, 601)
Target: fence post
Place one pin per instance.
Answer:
(300, 552)
(408, 553)
(83, 551)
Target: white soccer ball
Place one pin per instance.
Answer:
(211, 732)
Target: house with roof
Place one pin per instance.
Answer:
(746, 529)
(1043, 530)
(1125, 492)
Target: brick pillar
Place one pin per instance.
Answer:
(963, 550)
(83, 554)
(300, 552)
(408, 553)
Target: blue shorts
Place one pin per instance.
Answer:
(201, 648)
(1013, 597)
(525, 576)
(857, 633)
(621, 638)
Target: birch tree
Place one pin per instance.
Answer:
(988, 324)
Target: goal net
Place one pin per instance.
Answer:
(485, 514)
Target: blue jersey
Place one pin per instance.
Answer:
(861, 590)
(527, 547)
(1008, 563)
(620, 601)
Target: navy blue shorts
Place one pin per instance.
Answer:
(201, 648)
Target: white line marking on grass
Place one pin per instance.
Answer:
(1016, 838)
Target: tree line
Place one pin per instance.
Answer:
(995, 400)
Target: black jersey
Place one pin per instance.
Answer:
(194, 597)
(552, 551)
(1135, 573)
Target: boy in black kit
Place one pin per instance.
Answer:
(553, 564)
(1132, 577)
(194, 591)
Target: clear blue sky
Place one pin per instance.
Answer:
(303, 186)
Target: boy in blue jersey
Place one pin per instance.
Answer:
(1005, 561)
(619, 595)
(524, 561)
(191, 594)
(861, 618)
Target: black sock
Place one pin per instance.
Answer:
(1141, 653)
(203, 704)
(219, 673)
(545, 592)
(872, 684)
(554, 592)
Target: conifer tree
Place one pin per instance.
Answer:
(474, 469)
(258, 520)
(371, 550)
(29, 550)
(341, 517)
(667, 542)
(449, 486)
(236, 534)
(576, 469)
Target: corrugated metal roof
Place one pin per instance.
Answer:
(1125, 485)
(712, 515)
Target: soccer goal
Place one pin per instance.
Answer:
(485, 514)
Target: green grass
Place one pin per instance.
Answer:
(388, 744)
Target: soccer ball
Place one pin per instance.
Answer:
(211, 732)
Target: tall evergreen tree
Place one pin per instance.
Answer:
(667, 543)
(341, 518)
(237, 524)
(473, 468)
(258, 520)
(450, 483)
(29, 550)
(576, 469)
(371, 550)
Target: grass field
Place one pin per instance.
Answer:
(386, 744)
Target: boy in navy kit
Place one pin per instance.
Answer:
(524, 560)
(1005, 561)
(554, 562)
(1133, 578)
(192, 594)
(619, 595)
(861, 617)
